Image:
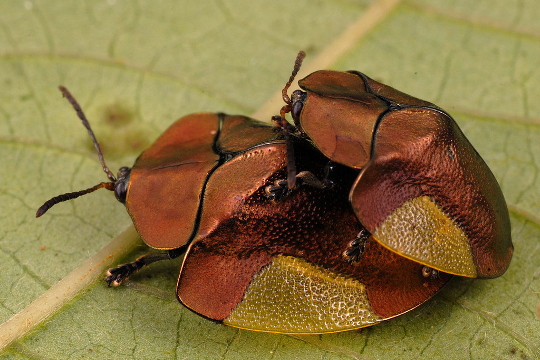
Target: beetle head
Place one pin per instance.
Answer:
(298, 98)
(117, 184)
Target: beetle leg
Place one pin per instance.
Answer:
(430, 273)
(308, 178)
(287, 129)
(291, 164)
(356, 247)
(280, 187)
(283, 124)
(277, 190)
(115, 276)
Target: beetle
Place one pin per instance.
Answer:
(422, 189)
(207, 188)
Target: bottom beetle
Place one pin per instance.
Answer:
(207, 187)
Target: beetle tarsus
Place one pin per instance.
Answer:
(278, 190)
(356, 247)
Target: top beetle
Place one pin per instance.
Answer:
(422, 189)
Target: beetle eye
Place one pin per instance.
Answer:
(297, 98)
(121, 184)
(123, 172)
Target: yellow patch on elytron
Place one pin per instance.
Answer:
(419, 230)
(291, 295)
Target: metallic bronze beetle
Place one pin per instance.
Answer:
(422, 189)
(205, 188)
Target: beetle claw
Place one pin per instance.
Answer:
(115, 276)
(277, 190)
(430, 273)
(356, 247)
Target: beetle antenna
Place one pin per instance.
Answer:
(72, 195)
(297, 64)
(86, 124)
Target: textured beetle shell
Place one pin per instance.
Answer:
(312, 224)
(443, 166)
(408, 148)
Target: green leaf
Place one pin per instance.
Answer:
(135, 67)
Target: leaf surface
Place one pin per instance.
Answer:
(135, 67)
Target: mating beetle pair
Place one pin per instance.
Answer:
(264, 257)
